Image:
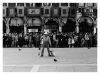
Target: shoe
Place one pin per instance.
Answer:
(51, 56)
(55, 60)
(41, 56)
(88, 47)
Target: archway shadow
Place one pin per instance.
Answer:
(69, 26)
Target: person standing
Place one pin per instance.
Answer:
(46, 43)
(69, 42)
(30, 40)
(72, 41)
(41, 41)
(87, 40)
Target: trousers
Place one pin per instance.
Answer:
(45, 46)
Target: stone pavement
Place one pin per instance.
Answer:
(68, 60)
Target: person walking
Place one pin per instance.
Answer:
(72, 41)
(41, 41)
(69, 42)
(87, 40)
(55, 40)
(46, 43)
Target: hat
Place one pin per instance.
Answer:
(45, 32)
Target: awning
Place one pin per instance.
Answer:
(36, 22)
(16, 22)
(19, 22)
(29, 22)
(13, 22)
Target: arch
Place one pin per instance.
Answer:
(46, 20)
(51, 21)
(16, 22)
(86, 24)
(85, 17)
(13, 22)
(52, 25)
(69, 26)
(36, 22)
(20, 21)
(16, 25)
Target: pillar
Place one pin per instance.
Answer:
(25, 25)
(77, 27)
(42, 23)
(60, 25)
(7, 29)
(7, 26)
(25, 29)
(60, 28)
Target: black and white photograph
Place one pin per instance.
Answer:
(49, 37)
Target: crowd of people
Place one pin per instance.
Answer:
(58, 40)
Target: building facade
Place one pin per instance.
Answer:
(53, 17)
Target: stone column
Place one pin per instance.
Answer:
(77, 27)
(25, 29)
(60, 28)
(25, 25)
(7, 25)
(78, 15)
(60, 25)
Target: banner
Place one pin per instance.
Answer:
(32, 30)
(34, 12)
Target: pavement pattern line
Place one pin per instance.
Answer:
(35, 68)
(54, 65)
